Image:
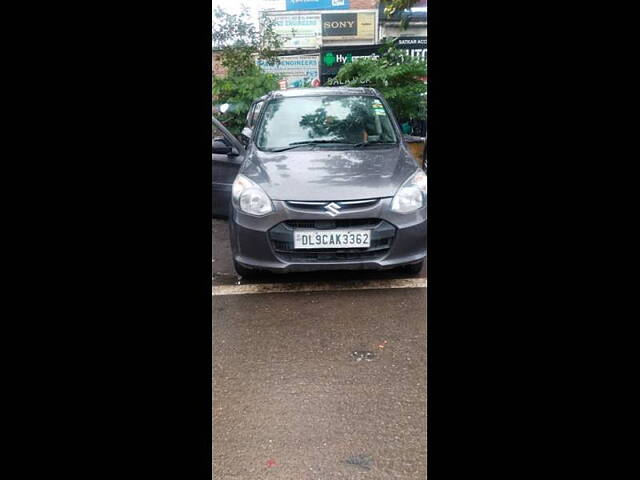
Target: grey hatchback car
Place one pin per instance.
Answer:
(327, 183)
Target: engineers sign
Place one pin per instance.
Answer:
(298, 31)
(298, 70)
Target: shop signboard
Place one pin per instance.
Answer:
(317, 4)
(414, 46)
(349, 26)
(298, 31)
(296, 70)
(333, 58)
(339, 24)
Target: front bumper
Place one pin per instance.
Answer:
(261, 243)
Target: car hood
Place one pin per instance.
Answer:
(329, 175)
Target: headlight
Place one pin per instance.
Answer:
(250, 198)
(412, 195)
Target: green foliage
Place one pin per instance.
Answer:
(396, 76)
(239, 91)
(240, 40)
(393, 6)
(240, 43)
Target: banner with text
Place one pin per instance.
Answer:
(333, 58)
(349, 26)
(298, 31)
(298, 70)
(414, 46)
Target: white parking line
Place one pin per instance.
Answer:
(318, 286)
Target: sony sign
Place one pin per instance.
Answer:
(336, 24)
(339, 24)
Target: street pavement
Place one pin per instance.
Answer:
(317, 384)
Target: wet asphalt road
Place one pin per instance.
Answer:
(292, 401)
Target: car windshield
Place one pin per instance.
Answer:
(336, 120)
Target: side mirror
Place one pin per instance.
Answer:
(245, 136)
(220, 147)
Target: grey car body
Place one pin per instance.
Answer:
(227, 156)
(359, 181)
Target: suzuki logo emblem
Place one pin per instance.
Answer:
(333, 209)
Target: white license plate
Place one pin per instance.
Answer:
(331, 238)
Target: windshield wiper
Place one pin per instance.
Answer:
(319, 141)
(363, 144)
(308, 142)
(283, 148)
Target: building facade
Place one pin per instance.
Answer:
(392, 27)
(309, 27)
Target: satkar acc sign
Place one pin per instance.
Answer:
(413, 46)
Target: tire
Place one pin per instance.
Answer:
(244, 271)
(413, 269)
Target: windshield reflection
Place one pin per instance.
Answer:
(324, 121)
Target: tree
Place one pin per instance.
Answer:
(399, 78)
(241, 43)
(393, 6)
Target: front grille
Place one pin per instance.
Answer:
(382, 235)
(342, 206)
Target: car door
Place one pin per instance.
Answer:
(226, 157)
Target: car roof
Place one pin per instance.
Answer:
(307, 92)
